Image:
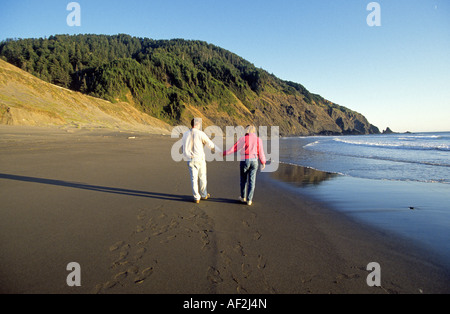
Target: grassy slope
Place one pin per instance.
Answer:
(32, 101)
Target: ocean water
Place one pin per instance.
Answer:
(397, 182)
(422, 157)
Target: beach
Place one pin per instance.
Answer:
(119, 206)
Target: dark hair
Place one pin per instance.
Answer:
(196, 121)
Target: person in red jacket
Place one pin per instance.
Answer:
(251, 150)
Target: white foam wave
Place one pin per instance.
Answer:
(312, 144)
(396, 144)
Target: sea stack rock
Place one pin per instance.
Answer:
(388, 131)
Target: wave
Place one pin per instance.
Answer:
(424, 158)
(364, 176)
(312, 144)
(395, 145)
(373, 156)
(418, 162)
(409, 137)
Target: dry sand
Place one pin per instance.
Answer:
(119, 206)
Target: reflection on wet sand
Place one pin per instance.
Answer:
(301, 176)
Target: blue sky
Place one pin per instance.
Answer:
(396, 74)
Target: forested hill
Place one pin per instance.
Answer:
(174, 80)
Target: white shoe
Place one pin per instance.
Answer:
(243, 200)
(249, 203)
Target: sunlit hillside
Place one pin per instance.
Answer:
(27, 100)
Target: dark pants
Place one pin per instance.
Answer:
(248, 167)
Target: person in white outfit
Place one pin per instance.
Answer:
(193, 142)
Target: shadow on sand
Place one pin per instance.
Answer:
(105, 189)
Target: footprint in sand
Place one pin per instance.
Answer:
(143, 275)
(205, 239)
(226, 258)
(121, 259)
(213, 275)
(261, 262)
(347, 276)
(116, 246)
(238, 248)
(139, 253)
(121, 276)
(256, 236)
(140, 228)
(143, 242)
(133, 269)
(142, 214)
(241, 290)
(246, 270)
(108, 285)
(168, 239)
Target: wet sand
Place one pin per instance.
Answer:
(116, 203)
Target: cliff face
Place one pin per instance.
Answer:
(296, 117)
(175, 80)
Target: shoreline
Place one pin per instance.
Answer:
(399, 208)
(122, 209)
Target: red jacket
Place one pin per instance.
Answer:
(250, 146)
